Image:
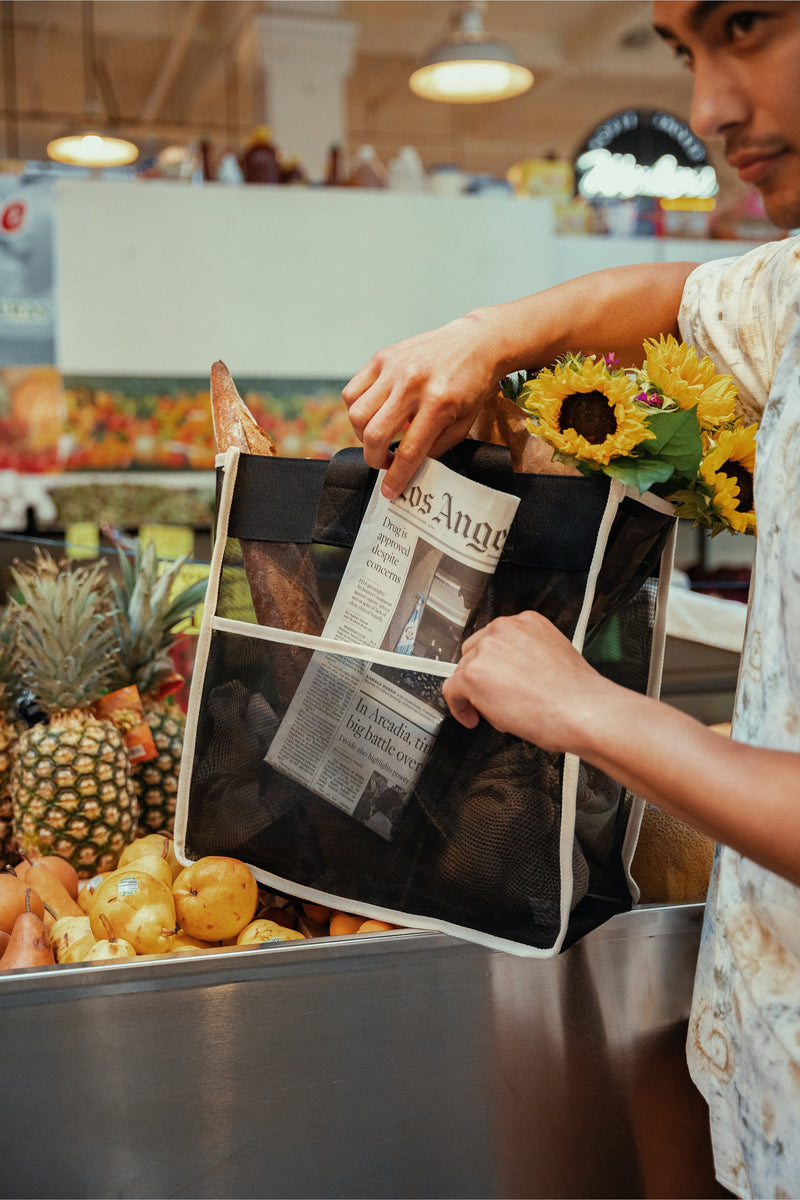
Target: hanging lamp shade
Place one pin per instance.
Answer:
(470, 67)
(92, 149)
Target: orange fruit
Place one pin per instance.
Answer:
(374, 927)
(317, 912)
(345, 923)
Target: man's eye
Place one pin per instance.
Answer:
(742, 23)
(683, 54)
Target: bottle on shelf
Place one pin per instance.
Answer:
(406, 172)
(229, 170)
(334, 174)
(368, 170)
(260, 160)
(206, 161)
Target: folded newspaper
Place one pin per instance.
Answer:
(362, 724)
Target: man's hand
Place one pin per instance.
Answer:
(427, 390)
(526, 678)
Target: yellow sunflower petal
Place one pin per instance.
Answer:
(738, 446)
(675, 370)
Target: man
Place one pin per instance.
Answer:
(744, 1035)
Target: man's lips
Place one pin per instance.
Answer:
(755, 166)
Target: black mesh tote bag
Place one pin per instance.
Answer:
(328, 762)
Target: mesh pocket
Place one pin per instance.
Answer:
(475, 842)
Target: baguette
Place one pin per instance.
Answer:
(234, 424)
(281, 575)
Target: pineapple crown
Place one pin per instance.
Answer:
(64, 644)
(7, 676)
(147, 613)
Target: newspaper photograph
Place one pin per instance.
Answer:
(360, 728)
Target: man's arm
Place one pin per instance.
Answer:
(526, 678)
(430, 387)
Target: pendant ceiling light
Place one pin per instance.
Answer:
(470, 67)
(91, 147)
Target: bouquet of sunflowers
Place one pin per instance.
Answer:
(669, 427)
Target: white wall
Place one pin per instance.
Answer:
(158, 278)
(164, 278)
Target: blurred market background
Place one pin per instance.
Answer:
(121, 281)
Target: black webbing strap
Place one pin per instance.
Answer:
(305, 500)
(275, 499)
(348, 487)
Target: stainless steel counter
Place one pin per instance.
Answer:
(396, 1065)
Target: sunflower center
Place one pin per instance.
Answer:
(589, 414)
(744, 479)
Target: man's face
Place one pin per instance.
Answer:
(745, 58)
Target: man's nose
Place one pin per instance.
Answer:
(719, 102)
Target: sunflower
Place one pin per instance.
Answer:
(727, 471)
(585, 410)
(673, 368)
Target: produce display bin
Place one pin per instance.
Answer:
(398, 1064)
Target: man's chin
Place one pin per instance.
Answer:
(781, 208)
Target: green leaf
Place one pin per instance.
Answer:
(511, 386)
(640, 473)
(569, 460)
(677, 440)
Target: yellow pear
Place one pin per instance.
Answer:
(153, 865)
(263, 930)
(108, 948)
(215, 897)
(184, 943)
(67, 930)
(152, 843)
(87, 889)
(137, 907)
(77, 951)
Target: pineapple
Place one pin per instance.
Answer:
(146, 614)
(9, 732)
(70, 781)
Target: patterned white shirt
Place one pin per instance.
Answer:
(743, 1045)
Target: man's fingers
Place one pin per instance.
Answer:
(425, 436)
(362, 380)
(460, 707)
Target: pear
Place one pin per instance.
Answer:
(262, 930)
(184, 943)
(67, 930)
(153, 843)
(87, 889)
(76, 951)
(153, 865)
(138, 908)
(109, 946)
(29, 944)
(215, 897)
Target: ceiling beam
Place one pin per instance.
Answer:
(190, 16)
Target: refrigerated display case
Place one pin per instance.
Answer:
(394, 1064)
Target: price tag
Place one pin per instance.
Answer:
(82, 539)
